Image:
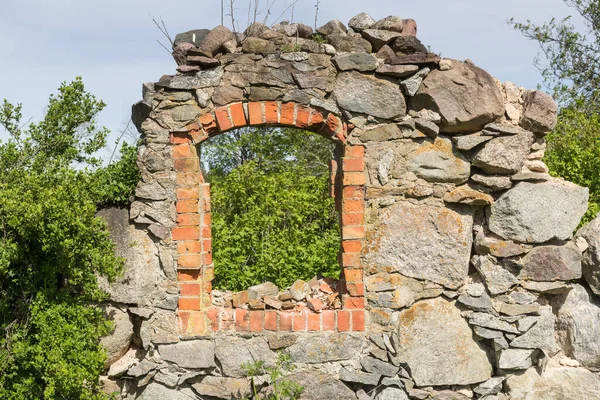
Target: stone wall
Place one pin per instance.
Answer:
(460, 277)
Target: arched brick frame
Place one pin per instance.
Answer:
(193, 235)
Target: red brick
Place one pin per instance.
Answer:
(343, 320)
(353, 232)
(353, 275)
(206, 219)
(355, 289)
(187, 233)
(300, 321)
(354, 151)
(186, 206)
(206, 119)
(316, 118)
(351, 246)
(328, 320)
(207, 287)
(187, 179)
(198, 322)
(238, 115)
(189, 164)
(355, 218)
(226, 319)
(182, 151)
(358, 320)
(189, 289)
(241, 319)
(353, 164)
(180, 138)
(353, 178)
(206, 232)
(207, 244)
(198, 136)
(353, 192)
(353, 302)
(285, 321)
(207, 258)
(192, 246)
(315, 304)
(187, 193)
(255, 112)
(271, 112)
(189, 275)
(256, 318)
(184, 318)
(314, 322)
(188, 261)
(205, 191)
(222, 114)
(192, 219)
(189, 303)
(302, 117)
(213, 318)
(287, 114)
(351, 259)
(353, 205)
(270, 320)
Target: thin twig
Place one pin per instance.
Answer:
(249, 13)
(222, 13)
(231, 13)
(284, 11)
(293, 8)
(163, 46)
(256, 3)
(317, 13)
(118, 141)
(269, 7)
(163, 29)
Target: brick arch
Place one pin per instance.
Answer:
(193, 236)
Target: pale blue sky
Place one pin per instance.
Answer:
(112, 43)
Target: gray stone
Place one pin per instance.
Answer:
(161, 328)
(258, 46)
(157, 391)
(466, 97)
(450, 395)
(334, 26)
(437, 344)
(379, 38)
(316, 349)
(485, 333)
(466, 194)
(591, 256)
(516, 358)
(505, 154)
(117, 343)
(257, 292)
(376, 366)
(539, 111)
(541, 335)
(538, 212)
(364, 94)
(412, 84)
(427, 127)
(497, 247)
(422, 242)
(227, 94)
(552, 263)
(201, 80)
(417, 58)
(475, 289)
(489, 321)
(437, 162)
(386, 53)
(530, 176)
(385, 381)
(397, 71)
(518, 309)
(469, 142)
(407, 45)
(349, 44)
(320, 386)
(355, 61)
(391, 393)
(399, 291)
(390, 23)
(482, 303)
(232, 352)
(214, 40)
(496, 183)
(195, 37)
(223, 388)
(489, 387)
(524, 324)
(546, 287)
(578, 326)
(361, 22)
(497, 279)
(556, 383)
(142, 368)
(123, 364)
(500, 129)
(150, 191)
(365, 378)
(190, 354)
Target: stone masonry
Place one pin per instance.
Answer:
(460, 276)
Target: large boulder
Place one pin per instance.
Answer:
(365, 94)
(465, 96)
(437, 162)
(505, 154)
(591, 256)
(232, 352)
(578, 326)
(117, 343)
(320, 386)
(190, 354)
(438, 346)
(422, 242)
(538, 212)
(539, 111)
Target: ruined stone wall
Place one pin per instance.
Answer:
(459, 278)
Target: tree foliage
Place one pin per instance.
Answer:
(571, 70)
(272, 216)
(52, 247)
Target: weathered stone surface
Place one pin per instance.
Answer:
(117, 343)
(539, 111)
(466, 97)
(485, 320)
(417, 59)
(155, 391)
(591, 256)
(190, 354)
(469, 142)
(437, 344)
(214, 40)
(368, 95)
(408, 45)
(502, 129)
(391, 393)
(546, 287)
(427, 127)
(376, 366)
(390, 23)
(496, 183)
(422, 242)
(322, 348)
(194, 37)
(556, 383)
(227, 94)
(482, 303)
(161, 328)
(223, 388)
(516, 358)
(256, 292)
(202, 79)
(497, 247)
(411, 85)
(541, 335)
(379, 38)
(399, 291)
(436, 162)
(232, 351)
(361, 22)
(552, 263)
(365, 378)
(334, 26)
(355, 61)
(320, 386)
(258, 46)
(467, 195)
(490, 387)
(578, 326)
(385, 53)
(538, 212)
(505, 154)
(497, 279)
(349, 44)
(517, 309)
